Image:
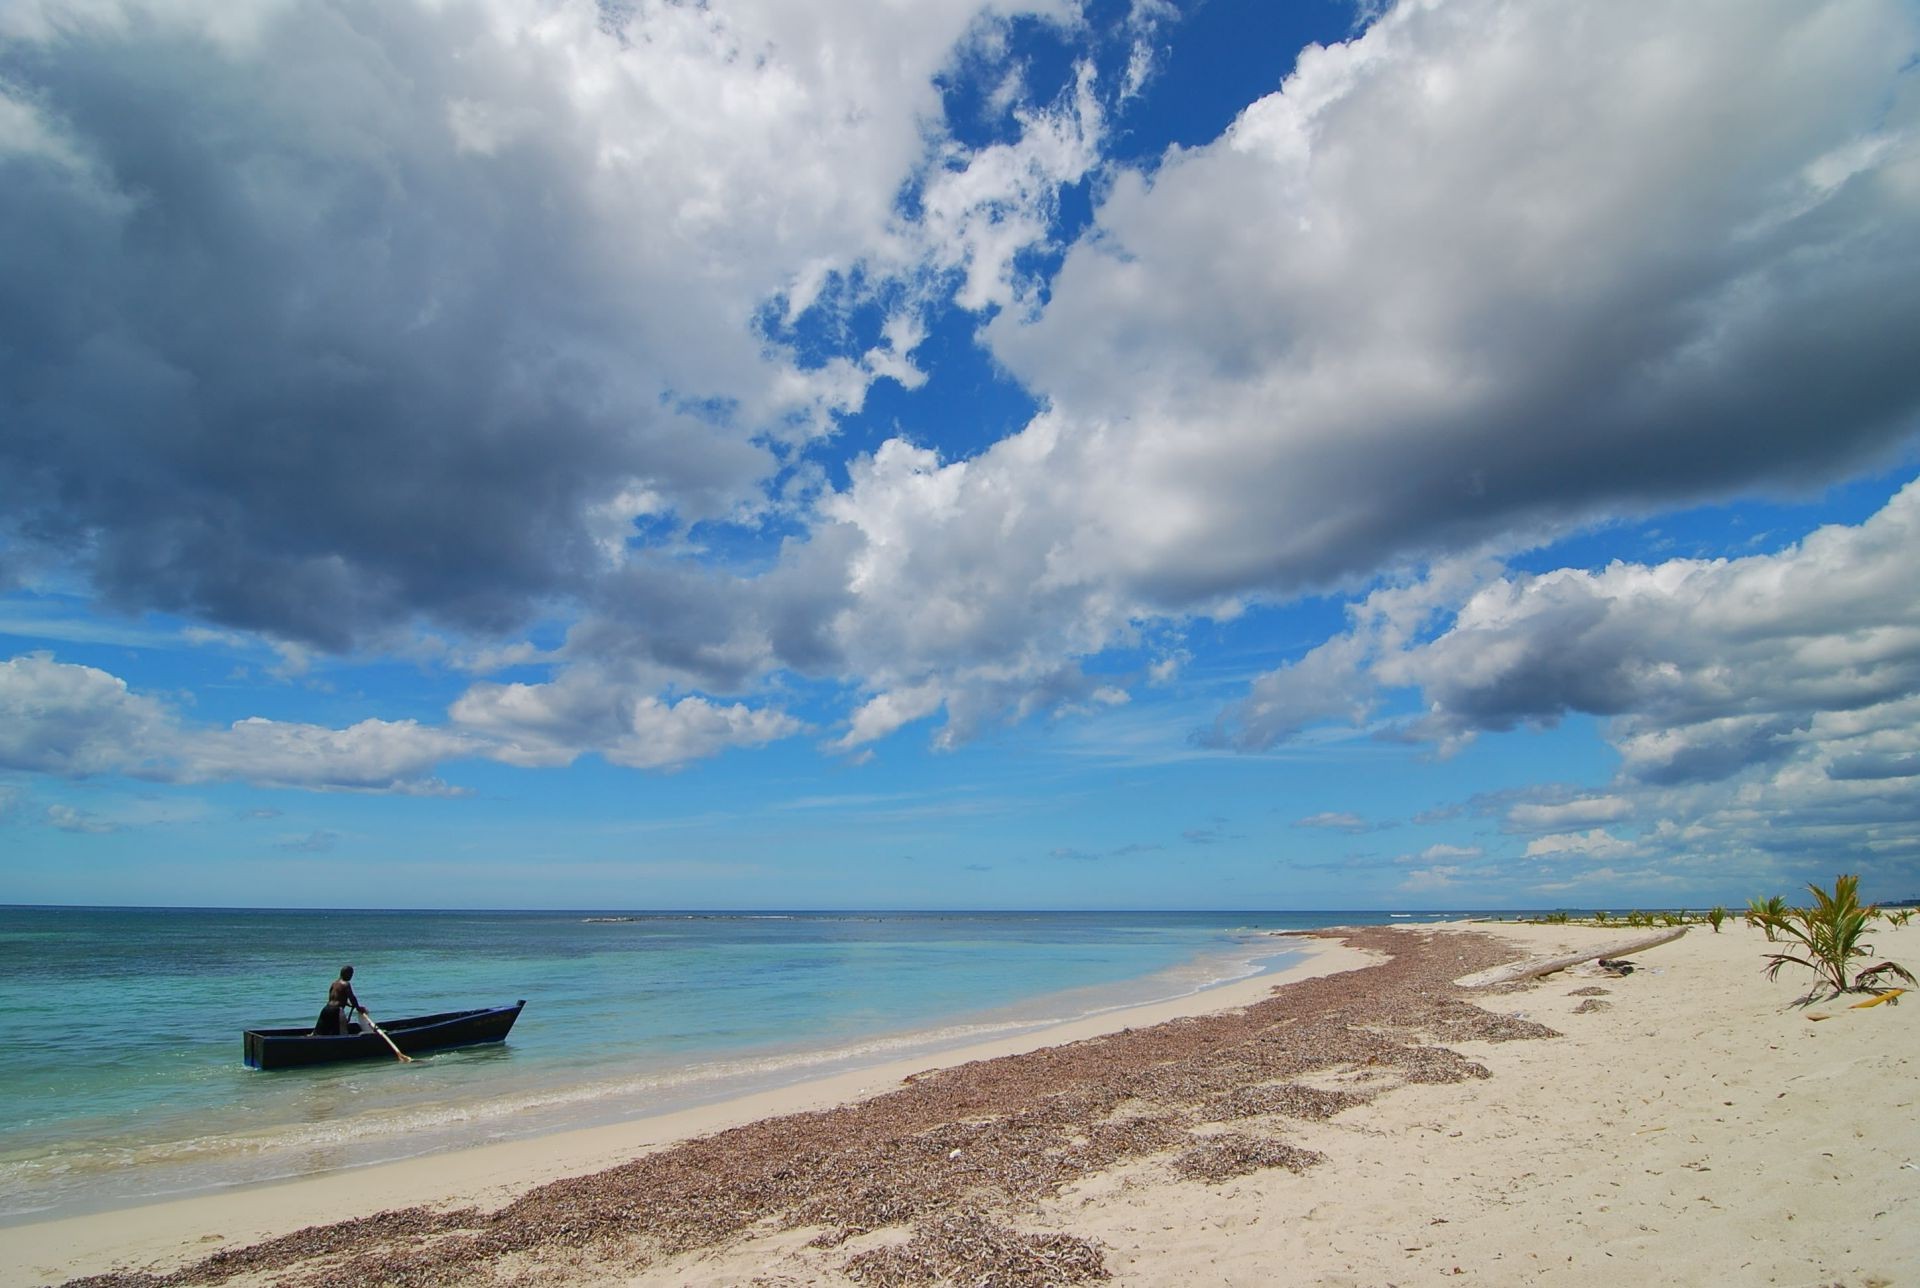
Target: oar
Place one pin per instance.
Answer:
(404, 1057)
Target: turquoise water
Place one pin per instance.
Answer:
(120, 1029)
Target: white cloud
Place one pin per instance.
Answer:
(1530, 816)
(1337, 821)
(1473, 278)
(1595, 844)
(981, 209)
(373, 755)
(1765, 708)
(1436, 852)
(585, 711)
(667, 735)
(1709, 666)
(77, 721)
(884, 712)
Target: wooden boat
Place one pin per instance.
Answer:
(292, 1048)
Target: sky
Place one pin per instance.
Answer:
(1213, 454)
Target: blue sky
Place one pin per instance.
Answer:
(531, 453)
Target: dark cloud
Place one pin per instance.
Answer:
(1874, 767)
(306, 369)
(324, 318)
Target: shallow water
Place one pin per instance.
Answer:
(120, 1028)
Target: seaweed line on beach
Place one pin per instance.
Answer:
(953, 1155)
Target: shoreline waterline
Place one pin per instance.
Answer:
(369, 1116)
(490, 1174)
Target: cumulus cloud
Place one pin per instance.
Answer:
(471, 296)
(1595, 844)
(75, 721)
(1764, 704)
(373, 755)
(330, 317)
(78, 721)
(1486, 267)
(1531, 816)
(980, 210)
(1477, 275)
(553, 724)
(1707, 665)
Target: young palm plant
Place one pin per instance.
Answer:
(1828, 937)
(1764, 913)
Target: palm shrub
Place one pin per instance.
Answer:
(1716, 915)
(1829, 936)
(1765, 912)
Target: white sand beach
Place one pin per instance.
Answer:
(1690, 1126)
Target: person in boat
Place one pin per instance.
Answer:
(340, 1000)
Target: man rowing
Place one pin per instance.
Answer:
(340, 1000)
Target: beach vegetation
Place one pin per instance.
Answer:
(1829, 937)
(1642, 919)
(1899, 916)
(1765, 912)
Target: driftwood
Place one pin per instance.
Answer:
(1537, 966)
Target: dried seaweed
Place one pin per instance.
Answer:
(967, 1246)
(1235, 1154)
(1291, 1100)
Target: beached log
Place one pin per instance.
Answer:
(1534, 967)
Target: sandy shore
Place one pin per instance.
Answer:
(165, 1235)
(1683, 1123)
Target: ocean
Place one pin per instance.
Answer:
(120, 1054)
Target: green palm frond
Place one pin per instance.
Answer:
(1827, 937)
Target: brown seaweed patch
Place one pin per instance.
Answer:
(966, 1246)
(1235, 1154)
(1291, 1100)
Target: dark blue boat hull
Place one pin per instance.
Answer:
(296, 1048)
